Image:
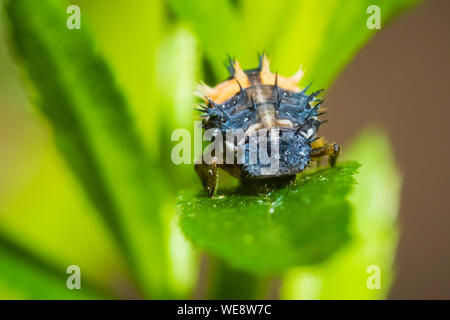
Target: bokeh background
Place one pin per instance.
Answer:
(399, 82)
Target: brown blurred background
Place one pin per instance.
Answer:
(400, 81)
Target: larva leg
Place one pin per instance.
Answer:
(323, 149)
(208, 175)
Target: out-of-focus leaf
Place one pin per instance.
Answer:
(374, 231)
(43, 209)
(27, 277)
(321, 35)
(217, 26)
(128, 34)
(303, 223)
(177, 68)
(177, 65)
(75, 89)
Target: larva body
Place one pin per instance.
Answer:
(256, 101)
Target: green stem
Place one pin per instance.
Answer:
(226, 283)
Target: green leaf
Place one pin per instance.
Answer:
(176, 73)
(47, 214)
(128, 34)
(74, 88)
(374, 231)
(321, 35)
(303, 223)
(42, 207)
(25, 276)
(217, 26)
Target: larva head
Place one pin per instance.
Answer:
(288, 153)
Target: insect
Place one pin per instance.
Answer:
(255, 100)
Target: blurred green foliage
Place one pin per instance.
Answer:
(374, 232)
(88, 180)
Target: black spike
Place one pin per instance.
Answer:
(202, 107)
(315, 94)
(230, 66)
(278, 95)
(253, 103)
(300, 131)
(319, 100)
(312, 112)
(306, 88)
(239, 84)
(218, 107)
(278, 100)
(212, 103)
(260, 58)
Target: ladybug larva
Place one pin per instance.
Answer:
(256, 101)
